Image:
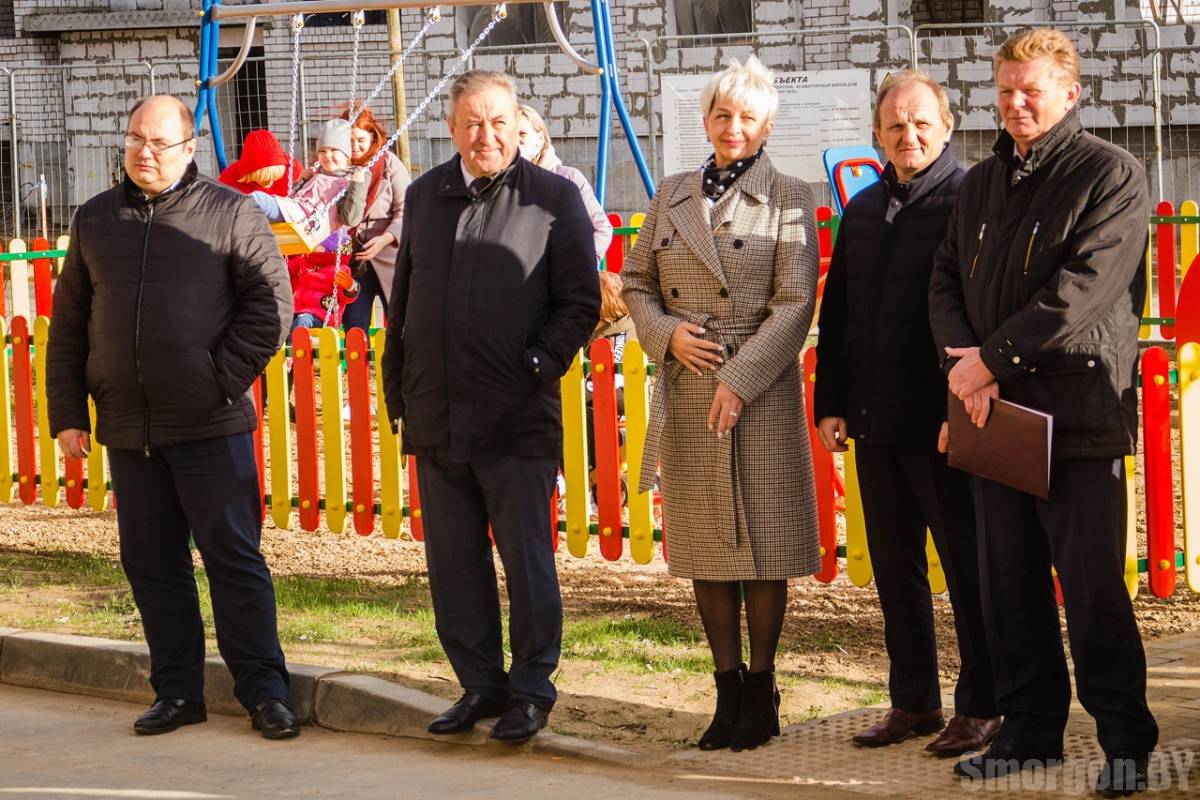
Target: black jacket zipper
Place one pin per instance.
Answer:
(137, 332)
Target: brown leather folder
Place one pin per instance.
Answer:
(1013, 448)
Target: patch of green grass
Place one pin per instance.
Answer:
(31, 570)
(645, 643)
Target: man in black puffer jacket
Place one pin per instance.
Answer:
(1036, 297)
(172, 300)
(878, 382)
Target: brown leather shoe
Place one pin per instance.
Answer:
(899, 725)
(965, 735)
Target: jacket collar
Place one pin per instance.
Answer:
(756, 182)
(925, 180)
(451, 183)
(181, 187)
(1042, 151)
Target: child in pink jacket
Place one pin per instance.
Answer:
(333, 174)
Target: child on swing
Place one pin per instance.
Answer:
(333, 174)
(322, 284)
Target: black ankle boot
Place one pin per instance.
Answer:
(729, 699)
(758, 717)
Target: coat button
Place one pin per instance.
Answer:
(1091, 364)
(862, 412)
(724, 293)
(737, 244)
(674, 293)
(664, 243)
(1016, 359)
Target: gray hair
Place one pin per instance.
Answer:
(751, 85)
(907, 77)
(478, 80)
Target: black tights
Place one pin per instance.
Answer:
(720, 604)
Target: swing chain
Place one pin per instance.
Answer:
(357, 20)
(312, 223)
(297, 27)
(431, 20)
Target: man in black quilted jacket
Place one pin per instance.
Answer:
(172, 299)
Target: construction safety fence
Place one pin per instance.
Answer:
(337, 416)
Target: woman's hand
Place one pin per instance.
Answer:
(692, 351)
(374, 246)
(726, 408)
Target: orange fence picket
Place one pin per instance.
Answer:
(23, 407)
(416, 524)
(1164, 237)
(43, 277)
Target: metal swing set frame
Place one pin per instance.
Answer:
(210, 78)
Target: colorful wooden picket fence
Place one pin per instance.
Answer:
(303, 454)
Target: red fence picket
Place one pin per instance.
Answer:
(1164, 237)
(416, 524)
(1160, 504)
(304, 393)
(362, 460)
(614, 259)
(607, 443)
(22, 373)
(823, 473)
(43, 279)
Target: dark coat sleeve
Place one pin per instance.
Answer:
(1105, 253)
(947, 306)
(264, 303)
(67, 350)
(393, 348)
(829, 392)
(574, 288)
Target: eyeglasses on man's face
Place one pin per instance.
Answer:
(157, 146)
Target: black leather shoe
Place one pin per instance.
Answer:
(463, 715)
(275, 719)
(1006, 756)
(519, 723)
(167, 714)
(1123, 774)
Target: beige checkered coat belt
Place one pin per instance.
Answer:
(743, 507)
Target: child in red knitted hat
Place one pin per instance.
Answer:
(262, 167)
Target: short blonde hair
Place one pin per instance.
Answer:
(535, 119)
(478, 80)
(264, 176)
(1033, 44)
(907, 77)
(750, 84)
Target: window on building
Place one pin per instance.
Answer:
(8, 24)
(948, 12)
(525, 24)
(243, 101)
(712, 17)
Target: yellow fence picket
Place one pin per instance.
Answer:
(858, 556)
(97, 468)
(635, 221)
(391, 492)
(329, 340)
(1144, 331)
(1189, 456)
(937, 575)
(575, 463)
(6, 429)
(1131, 543)
(279, 434)
(637, 417)
(1189, 236)
(47, 449)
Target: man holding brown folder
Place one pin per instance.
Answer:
(1036, 297)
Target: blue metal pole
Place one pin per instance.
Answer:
(214, 119)
(202, 88)
(599, 15)
(611, 75)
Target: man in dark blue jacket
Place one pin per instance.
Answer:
(495, 292)
(878, 382)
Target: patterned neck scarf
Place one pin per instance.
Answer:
(717, 180)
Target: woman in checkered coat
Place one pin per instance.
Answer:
(721, 285)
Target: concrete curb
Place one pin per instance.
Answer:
(340, 701)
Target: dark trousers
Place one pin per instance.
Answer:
(1081, 531)
(208, 490)
(358, 313)
(457, 502)
(904, 491)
